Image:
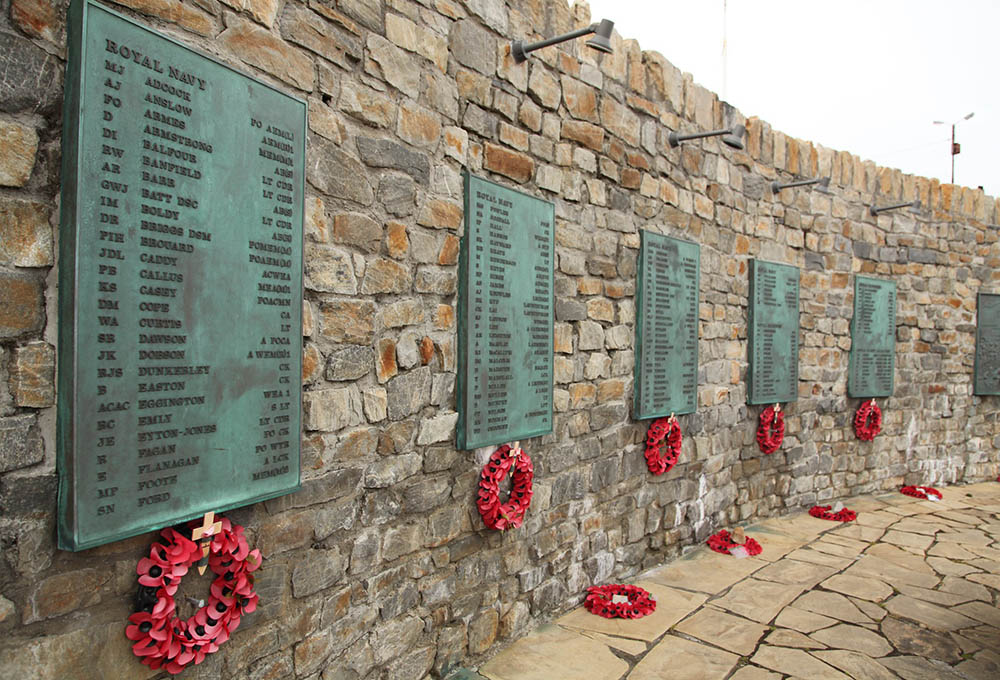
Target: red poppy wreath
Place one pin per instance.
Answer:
(825, 512)
(868, 420)
(619, 602)
(925, 492)
(509, 515)
(723, 543)
(771, 430)
(665, 431)
(164, 640)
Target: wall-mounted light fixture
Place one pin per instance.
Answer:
(914, 207)
(732, 137)
(822, 184)
(600, 42)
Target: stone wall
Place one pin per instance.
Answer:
(380, 567)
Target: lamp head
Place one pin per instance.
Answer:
(602, 37)
(823, 186)
(735, 137)
(915, 206)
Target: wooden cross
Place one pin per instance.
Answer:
(208, 528)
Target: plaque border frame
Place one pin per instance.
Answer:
(977, 361)
(851, 355)
(461, 396)
(752, 271)
(77, 19)
(639, 298)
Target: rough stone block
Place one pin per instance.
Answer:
(18, 144)
(517, 166)
(408, 393)
(350, 321)
(398, 68)
(21, 306)
(473, 46)
(316, 571)
(349, 363)
(357, 229)
(261, 48)
(331, 410)
(335, 173)
(384, 153)
(437, 429)
(33, 375)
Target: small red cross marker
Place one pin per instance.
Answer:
(208, 528)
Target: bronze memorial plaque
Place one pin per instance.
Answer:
(180, 310)
(773, 374)
(986, 375)
(505, 316)
(873, 338)
(666, 343)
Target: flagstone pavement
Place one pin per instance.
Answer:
(907, 591)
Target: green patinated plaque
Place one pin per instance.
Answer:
(180, 283)
(773, 375)
(986, 374)
(666, 367)
(505, 316)
(873, 338)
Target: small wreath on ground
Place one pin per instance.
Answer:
(771, 429)
(825, 512)
(509, 515)
(868, 420)
(161, 638)
(723, 543)
(619, 602)
(926, 492)
(666, 431)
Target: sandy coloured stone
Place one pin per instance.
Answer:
(831, 604)
(878, 519)
(817, 557)
(942, 598)
(869, 609)
(889, 572)
(350, 321)
(987, 613)
(910, 638)
(795, 662)
(946, 567)
(802, 620)
(918, 668)
(855, 638)
(681, 659)
(965, 538)
(758, 600)
(704, 571)
(991, 580)
(917, 525)
(907, 539)
(966, 588)
(753, 673)
(930, 615)
(776, 545)
(856, 665)
(631, 647)
(860, 533)
(722, 629)
(671, 606)
(553, 652)
(839, 547)
(866, 588)
(782, 637)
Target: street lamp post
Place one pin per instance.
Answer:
(954, 152)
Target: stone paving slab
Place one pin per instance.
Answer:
(908, 592)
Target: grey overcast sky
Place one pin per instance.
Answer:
(865, 76)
